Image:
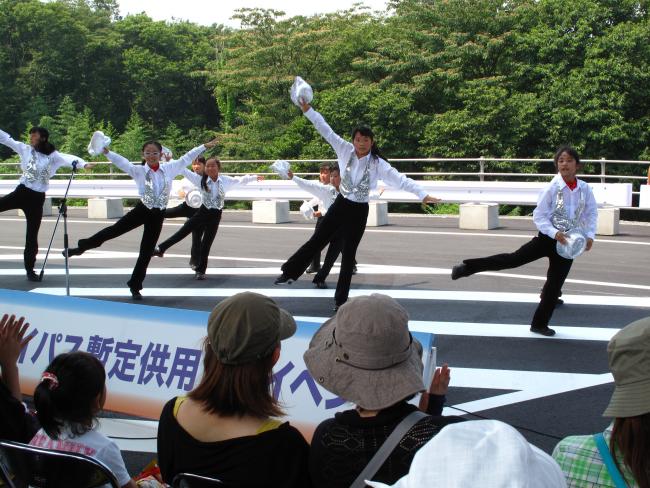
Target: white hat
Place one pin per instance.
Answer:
(485, 453)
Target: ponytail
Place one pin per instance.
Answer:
(204, 181)
(68, 393)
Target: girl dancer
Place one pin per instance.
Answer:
(154, 181)
(567, 203)
(184, 210)
(38, 161)
(71, 393)
(361, 165)
(213, 190)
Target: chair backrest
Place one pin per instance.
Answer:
(22, 466)
(187, 480)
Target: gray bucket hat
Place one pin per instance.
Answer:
(629, 361)
(366, 355)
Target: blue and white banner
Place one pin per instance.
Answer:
(152, 354)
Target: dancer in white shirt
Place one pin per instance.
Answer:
(567, 203)
(154, 181)
(39, 160)
(184, 210)
(213, 191)
(324, 178)
(361, 165)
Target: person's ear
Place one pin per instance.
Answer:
(275, 356)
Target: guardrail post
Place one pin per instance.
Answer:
(603, 171)
(481, 172)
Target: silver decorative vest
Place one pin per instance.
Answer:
(361, 191)
(560, 216)
(149, 198)
(33, 174)
(211, 201)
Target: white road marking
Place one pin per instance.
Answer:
(291, 292)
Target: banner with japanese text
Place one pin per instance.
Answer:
(152, 354)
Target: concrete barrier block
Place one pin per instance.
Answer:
(479, 216)
(644, 198)
(47, 208)
(377, 214)
(105, 208)
(270, 211)
(608, 220)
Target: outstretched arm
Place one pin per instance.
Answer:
(187, 158)
(397, 180)
(18, 147)
(121, 162)
(337, 142)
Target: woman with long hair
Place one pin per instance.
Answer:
(228, 427)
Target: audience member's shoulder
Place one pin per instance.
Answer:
(574, 445)
(291, 434)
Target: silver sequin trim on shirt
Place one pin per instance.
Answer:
(560, 216)
(361, 191)
(150, 199)
(210, 201)
(34, 174)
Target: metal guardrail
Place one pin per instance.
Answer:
(480, 175)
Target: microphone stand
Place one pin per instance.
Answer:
(63, 211)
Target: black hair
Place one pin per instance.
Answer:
(44, 146)
(204, 178)
(367, 132)
(335, 167)
(153, 143)
(570, 150)
(73, 401)
(200, 159)
(327, 166)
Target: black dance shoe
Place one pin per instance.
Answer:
(199, 276)
(135, 294)
(312, 270)
(157, 252)
(320, 284)
(73, 251)
(32, 276)
(545, 331)
(459, 271)
(283, 279)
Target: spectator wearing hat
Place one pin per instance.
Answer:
(366, 355)
(619, 456)
(485, 453)
(226, 427)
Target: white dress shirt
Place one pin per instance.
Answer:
(218, 187)
(379, 169)
(325, 194)
(37, 167)
(161, 180)
(546, 204)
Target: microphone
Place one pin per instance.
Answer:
(74, 165)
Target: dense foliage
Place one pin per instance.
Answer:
(444, 78)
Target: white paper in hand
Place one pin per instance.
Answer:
(307, 210)
(98, 142)
(167, 153)
(282, 168)
(300, 90)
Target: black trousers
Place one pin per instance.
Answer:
(184, 210)
(31, 203)
(539, 247)
(205, 219)
(350, 219)
(315, 262)
(151, 219)
(333, 251)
